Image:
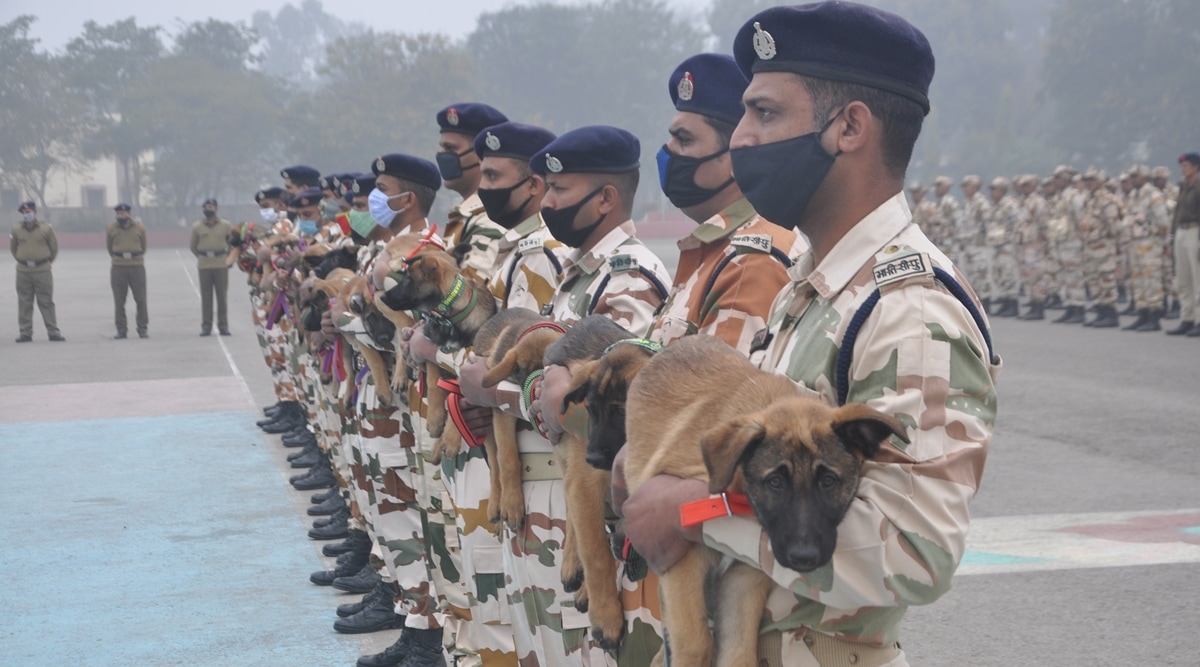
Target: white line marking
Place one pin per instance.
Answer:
(228, 357)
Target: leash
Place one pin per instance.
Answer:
(527, 400)
(454, 407)
(714, 507)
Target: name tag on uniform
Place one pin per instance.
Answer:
(756, 242)
(528, 245)
(127, 255)
(899, 268)
(622, 263)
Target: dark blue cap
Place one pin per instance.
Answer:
(1193, 157)
(210, 200)
(273, 192)
(512, 140)
(363, 185)
(709, 84)
(595, 149)
(301, 175)
(122, 207)
(469, 118)
(307, 197)
(839, 41)
(31, 205)
(408, 168)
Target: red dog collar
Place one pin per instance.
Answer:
(714, 507)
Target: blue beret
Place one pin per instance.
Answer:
(273, 192)
(839, 41)
(301, 174)
(27, 205)
(512, 140)
(469, 118)
(122, 207)
(363, 185)
(595, 149)
(210, 200)
(709, 84)
(307, 197)
(1194, 158)
(408, 168)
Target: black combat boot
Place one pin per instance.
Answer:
(392, 655)
(1053, 302)
(360, 582)
(1036, 312)
(340, 516)
(1106, 318)
(354, 540)
(318, 477)
(1142, 313)
(298, 438)
(1185, 327)
(302, 452)
(329, 507)
(291, 417)
(379, 615)
(271, 410)
(332, 531)
(1172, 309)
(355, 562)
(1152, 321)
(351, 608)
(426, 649)
(311, 459)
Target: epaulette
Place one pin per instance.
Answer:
(896, 265)
(622, 263)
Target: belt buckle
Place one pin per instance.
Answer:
(32, 265)
(127, 255)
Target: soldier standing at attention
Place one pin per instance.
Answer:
(1149, 225)
(1099, 226)
(828, 133)
(126, 241)
(972, 259)
(999, 234)
(945, 219)
(35, 248)
(210, 245)
(1186, 229)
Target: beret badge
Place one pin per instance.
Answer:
(452, 116)
(764, 43)
(380, 165)
(492, 142)
(553, 164)
(687, 87)
(356, 188)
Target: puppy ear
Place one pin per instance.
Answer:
(581, 384)
(726, 445)
(864, 429)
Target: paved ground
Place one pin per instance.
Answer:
(150, 523)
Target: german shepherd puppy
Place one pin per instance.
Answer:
(699, 409)
(351, 290)
(589, 563)
(603, 385)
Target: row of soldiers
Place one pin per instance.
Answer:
(1069, 240)
(544, 223)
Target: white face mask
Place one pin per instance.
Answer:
(28, 217)
(378, 203)
(269, 215)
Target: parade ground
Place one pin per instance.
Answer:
(147, 521)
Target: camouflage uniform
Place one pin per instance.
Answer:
(612, 279)
(919, 357)
(1033, 248)
(468, 223)
(975, 256)
(1149, 224)
(1068, 247)
(1098, 227)
(999, 235)
(944, 223)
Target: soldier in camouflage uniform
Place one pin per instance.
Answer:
(947, 209)
(1149, 225)
(974, 259)
(1099, 227)
(1161, 178)
(848, 611)
(1068, 244)
(1033, 246)
(999, 232)
(923, 209)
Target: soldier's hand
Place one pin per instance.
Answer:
(470, 381)
(652, 521)
(547, 401)
(420, 348)
(327, 326)
(478, 418)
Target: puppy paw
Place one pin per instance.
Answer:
(608, 621)
(573, 580)
(581, 600)
(436, 426)
(512, 507)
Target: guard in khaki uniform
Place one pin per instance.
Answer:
(210, 245)
(35, 248)
(824, 163)
(126, 241)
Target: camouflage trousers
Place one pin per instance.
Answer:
(977, 260)
(277, 351)
(1032, 260)
(362, 490)
(1070, 285)
(1003, 273)
(389, 463)
(1100, 259)
(1148, 265)
(547, 628)
(1187, 272)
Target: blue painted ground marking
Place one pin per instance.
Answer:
(984, 558)
(155, 541)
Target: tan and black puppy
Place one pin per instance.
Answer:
(744, 430)
(353, 296)
(602, 384)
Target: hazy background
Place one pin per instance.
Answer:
(199, 99)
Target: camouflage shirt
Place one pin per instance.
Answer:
(1149, 216)
(734, 307)
(619, 278)
(944, 224)
(919, 357)
(1031, 226)
(528, 264)
(971, 222)
(1101, 219)
(1002, 221)
(468, 223)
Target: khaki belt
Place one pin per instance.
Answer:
(828, 650)
(34, 265)
(214, 253)
(127, 255)
(539, 468)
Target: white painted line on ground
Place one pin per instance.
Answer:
(1033, 543)
(228, 357)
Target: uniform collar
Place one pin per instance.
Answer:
(858, 247)
(524, 228)
(592, 260)
(722, 225)
(470, 206)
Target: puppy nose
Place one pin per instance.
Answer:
(599, 461)
(803, 557)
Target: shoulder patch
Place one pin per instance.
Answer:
(907, 265)
(529, 245)
(623, 263)
(755, 242)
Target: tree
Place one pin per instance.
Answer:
(227, 46)
(295, 39)
(43, 120)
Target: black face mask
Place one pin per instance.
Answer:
(780, 178)
(208, 213)
(677, 176)
(450, 164)
(559, 222)
(495, 202)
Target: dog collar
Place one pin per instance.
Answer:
(454, 408)
(555, 326)
(714, 507)
(644, 343)
(527, 398)
(442, 310)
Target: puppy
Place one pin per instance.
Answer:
(699, 409)
(589, 564)
(602, 384)
(351, 290)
